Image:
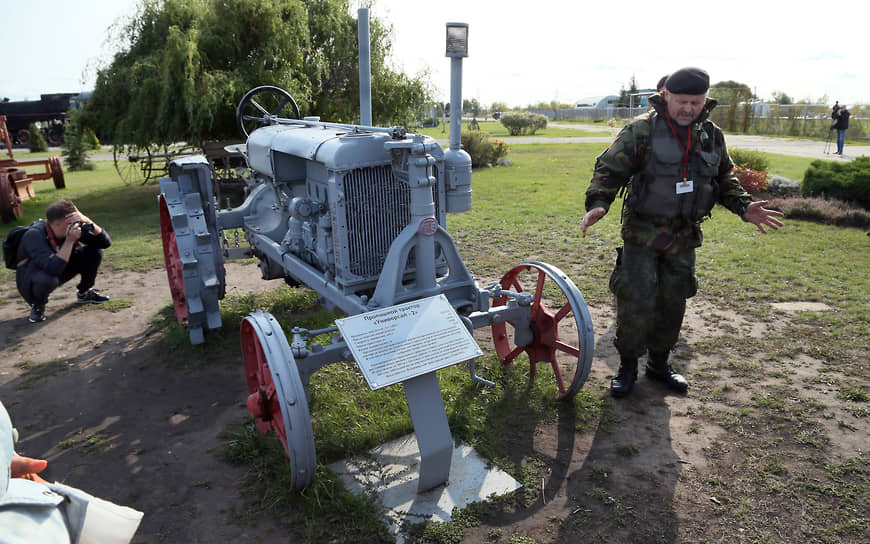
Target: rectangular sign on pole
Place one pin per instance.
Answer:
(401, 342)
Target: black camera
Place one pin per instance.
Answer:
(87, 228)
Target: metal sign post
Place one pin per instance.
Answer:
(406, 344)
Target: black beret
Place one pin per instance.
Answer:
(688, 81)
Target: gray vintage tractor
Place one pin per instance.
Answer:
(357, 214)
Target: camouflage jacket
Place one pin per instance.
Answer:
(628, 155)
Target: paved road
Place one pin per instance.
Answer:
(783, 146)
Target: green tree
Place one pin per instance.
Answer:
(726, 91)
(779, 97)
(183, 66)
(731, 94)
(471, 106)
(625, 94)
(76, 144)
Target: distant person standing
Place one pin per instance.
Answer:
(841, 123)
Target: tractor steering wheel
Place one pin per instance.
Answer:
(263, 106)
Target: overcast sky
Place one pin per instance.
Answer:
(521, 52)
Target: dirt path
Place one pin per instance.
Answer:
(95, 394)
(92, 392)
(784, 146)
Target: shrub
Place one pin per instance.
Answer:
(849, 181)
(829, 211)
(37, 142)
(782, 186)
(753, 181)
(523, 122)
(756, 160)
(483, 151)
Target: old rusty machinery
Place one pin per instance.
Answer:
(139, 164)
(16, 183)
(10, 202)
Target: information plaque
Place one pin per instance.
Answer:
(401, 342)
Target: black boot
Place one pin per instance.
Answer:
(657, 368)
(621, 385)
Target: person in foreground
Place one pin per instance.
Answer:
(673, 167)
(35, 511)
(54, 251)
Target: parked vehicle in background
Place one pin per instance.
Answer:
(49, 113)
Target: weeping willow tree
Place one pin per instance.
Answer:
(183, 66)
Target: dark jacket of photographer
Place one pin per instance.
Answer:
(842, 119)
(40, 270)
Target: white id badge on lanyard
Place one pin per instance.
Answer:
(685, 186)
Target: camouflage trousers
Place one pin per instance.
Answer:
(651, 289)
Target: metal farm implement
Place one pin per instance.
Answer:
(16, 184)
(356, 213)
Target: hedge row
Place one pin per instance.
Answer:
(849, 181)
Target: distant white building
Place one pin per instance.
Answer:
(604, 103)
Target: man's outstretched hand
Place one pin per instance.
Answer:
(761, 217)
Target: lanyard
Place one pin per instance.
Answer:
(679, 143)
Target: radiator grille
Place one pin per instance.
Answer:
(378, 208)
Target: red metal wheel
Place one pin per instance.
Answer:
(560, 326)
(277, 399)
(263, 403)
(173, 264)
(10, 203)
(56, 172)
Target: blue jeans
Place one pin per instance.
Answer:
(841, 139)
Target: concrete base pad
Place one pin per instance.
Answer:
(389, 472)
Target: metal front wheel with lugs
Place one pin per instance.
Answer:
(562, 342)
(191, 249)
(276, 396)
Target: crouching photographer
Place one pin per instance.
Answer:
(54, 251)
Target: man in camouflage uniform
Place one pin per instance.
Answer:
(673, 165)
